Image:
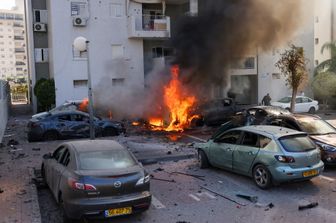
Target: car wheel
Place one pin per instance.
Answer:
(50, 136)
(110, 132)
(202, 159)
(63, 214)
(262, 177)
(312, 110)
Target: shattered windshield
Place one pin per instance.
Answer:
(314, 126)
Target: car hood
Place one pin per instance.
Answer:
(40, 115)
(327, 139)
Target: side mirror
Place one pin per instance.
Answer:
(47, 156)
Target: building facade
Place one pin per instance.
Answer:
(13, 47)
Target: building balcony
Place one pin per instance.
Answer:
(19, 38)
(244, 66)
(149, 27)
(20, 50)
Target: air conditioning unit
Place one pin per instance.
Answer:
(40, 27)
(79, 21)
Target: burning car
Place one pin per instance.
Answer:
(69, 105)
(218, 111)
(70, 124)
(96, 179)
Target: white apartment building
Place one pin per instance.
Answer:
(124, 35)
(13, 53)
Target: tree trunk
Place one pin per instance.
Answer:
(292, 105)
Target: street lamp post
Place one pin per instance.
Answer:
(82, 44)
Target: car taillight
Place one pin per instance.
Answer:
(285, 159)
(80, 186)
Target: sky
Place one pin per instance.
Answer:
(7, 4)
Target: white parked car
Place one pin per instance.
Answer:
(302, 104)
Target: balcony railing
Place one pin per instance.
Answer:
(149, 26)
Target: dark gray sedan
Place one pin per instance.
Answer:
(96, 179)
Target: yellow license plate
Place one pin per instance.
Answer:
(118, 211)
(310, 173)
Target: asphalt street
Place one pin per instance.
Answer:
(180, 198)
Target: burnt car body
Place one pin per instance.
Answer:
(69, 105)
(320, 131)
(96, 179)
(70, 124)
(218, 111)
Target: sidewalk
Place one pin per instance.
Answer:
(18, 197)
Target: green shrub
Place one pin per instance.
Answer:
(44, 90)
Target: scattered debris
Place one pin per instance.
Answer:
(190, 144)
(1, 191)
(27, 201)
(12, 142)
(36, 149)
(2, 163)
(165, 180)
(220, 181)
(187, 174)
(334, 190)
(253, 199)
(311, 205)
(223, 196)
(2, 145)
(169, 153)
(159, 169)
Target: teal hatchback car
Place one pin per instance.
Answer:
(268, 154)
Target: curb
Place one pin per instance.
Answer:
(36, 214)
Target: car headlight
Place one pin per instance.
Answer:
(143, 180)
(326, 147)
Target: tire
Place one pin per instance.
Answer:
(50, 136)
(262, 177)
(110, 132)
(202, 159)
(312, 110)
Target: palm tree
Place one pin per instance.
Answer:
(330, 64)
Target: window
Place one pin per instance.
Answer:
(298, 100)
(115, 10)
(162, 52)
(80, 83)
(41, 55)
(106, 160)
(264, 141)
(316, 41)
(229, 137)
(78, 118)
(79, 9)
(57, 154)
(65, 158)
(297, 143)
(276, 75)
(245, 63)
(64, 118)
(250, 139)
(118, 81)
(117, 51)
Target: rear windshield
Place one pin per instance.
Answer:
(104, 160)
(297, 143)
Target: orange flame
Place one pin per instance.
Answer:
(84, 105)
(178, 103)
(110, 115)
(135, 123)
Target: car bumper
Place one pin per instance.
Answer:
(94, 208)
(286, 173)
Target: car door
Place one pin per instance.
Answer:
(58, 170)
(50, 164)
(222, 148)
(299, 105)
(80, 125)
(306, 104)
(63, 123)
(245, 152)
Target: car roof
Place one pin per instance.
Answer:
(271, 109)
(95, 145)
(269, 130)
(69, 112)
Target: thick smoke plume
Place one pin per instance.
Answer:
(206, 46)
(227, 30)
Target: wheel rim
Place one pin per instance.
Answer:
(261, 176)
